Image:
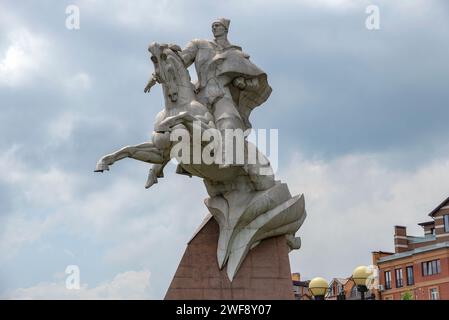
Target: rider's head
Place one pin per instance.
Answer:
(220, 27)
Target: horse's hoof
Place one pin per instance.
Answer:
(101, 166)
(152, 179)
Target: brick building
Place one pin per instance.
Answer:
(419, 267)
(345, 288)
(301, 288)
(338, 287)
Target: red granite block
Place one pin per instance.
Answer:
(239, 294)
(265, 273)
(242, 281)
(212, 294)
(184, 271)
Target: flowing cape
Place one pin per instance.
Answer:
(235, 63)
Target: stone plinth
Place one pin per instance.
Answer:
(265, 273)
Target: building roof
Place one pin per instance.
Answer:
(341, 281)
(427, 223)
(414, 239)
(382, 252)
(301, 283)
(442, 204)
(409, 253)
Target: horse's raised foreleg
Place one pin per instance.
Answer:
(145, 152)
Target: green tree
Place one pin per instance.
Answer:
(407, 296)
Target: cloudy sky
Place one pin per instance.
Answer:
(362, 118)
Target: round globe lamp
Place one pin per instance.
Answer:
(360, 276)
(318, 288)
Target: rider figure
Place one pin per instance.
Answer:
(228, 83)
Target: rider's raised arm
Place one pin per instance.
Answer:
(188, 54)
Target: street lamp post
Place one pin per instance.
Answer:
(360, 276)
(318, 288)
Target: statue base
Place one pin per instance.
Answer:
(264, 274)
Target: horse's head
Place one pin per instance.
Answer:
(168, 67)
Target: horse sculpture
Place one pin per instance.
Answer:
(247, 202)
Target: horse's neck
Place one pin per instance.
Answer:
(185, 92)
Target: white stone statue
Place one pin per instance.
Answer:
(244, 198)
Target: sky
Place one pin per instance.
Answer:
(362, 118)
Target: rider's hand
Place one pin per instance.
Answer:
(240, 83)
(150, 84)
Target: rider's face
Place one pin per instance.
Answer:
(218, 29)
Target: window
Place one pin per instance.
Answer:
(354, 292)
(446, 223)
(340, 288)
(431, 267)
(399, 278)
(434, 295)
(387, 280)
(410, 276)
(432, 231)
